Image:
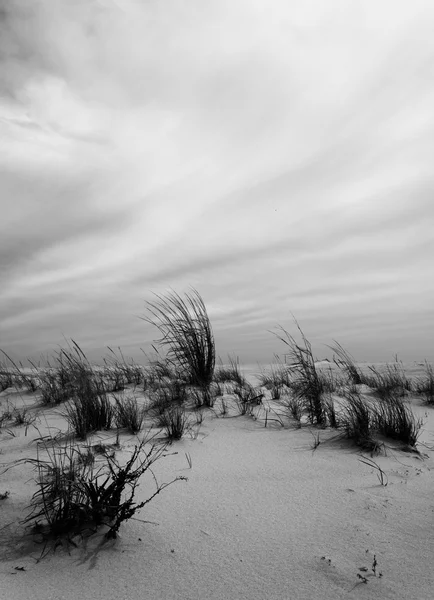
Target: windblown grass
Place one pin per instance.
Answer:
(6, 378)
(90, 408)
(70, 375)
(308, 383)
(395, 419)
(20, 378)
(187, 333)
(229, 373)
(53, 389)
(276, 379)
(347, 364)
(128, 372)
(425, 385)
(364, 419)
(390, 381)
(358, 420)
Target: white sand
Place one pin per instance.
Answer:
(261, 516)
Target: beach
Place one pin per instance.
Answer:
(267, 511)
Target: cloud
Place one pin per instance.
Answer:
(279, 160)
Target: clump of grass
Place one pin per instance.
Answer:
(17, 416)
(329, 380)
(86, 456)
(174, 420)
(395, 419)
(347, 364)
(71, 374)
(246, 398)
(390, 381)
(126, 373)
(53, 389)
(166, 395)
(128, 414)
(7, 415)
(308, 383)
(229, 373)
(75, 497)
(90, 409)
(203, 397)
(160, 369)
(363, 419)
(294, 407)
(22, 416)
(6, 378)
(333, 418)
(114, 379)
(425, 385)
(358, 420)
(187, 333)
(21, 378)
(275, 379)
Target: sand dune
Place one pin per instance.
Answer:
(262, 516)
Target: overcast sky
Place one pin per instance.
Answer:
(277, 156)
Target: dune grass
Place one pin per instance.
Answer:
(128, 414)
(347, 364)
(308, 384)
(75, 496)
(78, 492)
(17, 377)
(204, 397)
(246, 398)
(90, 408)
(126, 373)
(277, 379)
(395, 420)
(358, 420)
(174, 421)
(365, 419)
(293, 406)
(389, 381)
(186, 333)
(425, 385)
(6, 377)
(229, 373)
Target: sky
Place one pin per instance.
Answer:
(276, 156)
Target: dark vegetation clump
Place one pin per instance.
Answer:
(308, 384)
(425, 385)
(229, 373)
(76, 496)
(187, 334)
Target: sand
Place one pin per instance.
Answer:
(262, 516)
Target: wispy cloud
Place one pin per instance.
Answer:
(277, 157)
